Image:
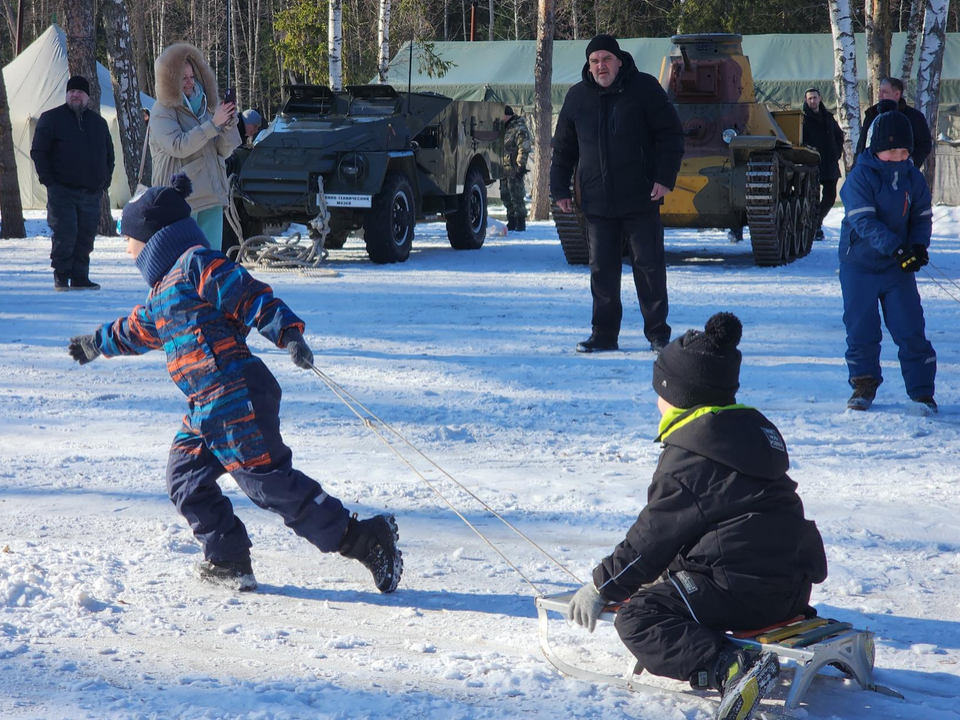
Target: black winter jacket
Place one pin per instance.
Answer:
(73, 151)
(722, 506)
(625, 137)
(821, 130)
(922, 143)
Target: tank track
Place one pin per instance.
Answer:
(572, 230)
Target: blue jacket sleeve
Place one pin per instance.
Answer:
(566, 151)
(235, 292)
(135, 334)
(860, 205)
(921, 213)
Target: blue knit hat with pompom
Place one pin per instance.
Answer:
(144, 216)
(701, 367)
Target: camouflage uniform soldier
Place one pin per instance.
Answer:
(516, 150)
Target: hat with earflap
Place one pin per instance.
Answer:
(157, 208)
(701, 367)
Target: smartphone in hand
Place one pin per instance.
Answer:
(230, 96)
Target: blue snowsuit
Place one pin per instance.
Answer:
(199, 310)
(887, 206)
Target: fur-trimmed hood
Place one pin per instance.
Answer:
(168, 69)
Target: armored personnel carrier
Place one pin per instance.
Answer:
(742, 164)
(382, 160)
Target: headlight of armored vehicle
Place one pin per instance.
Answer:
(728, 135)
(351, 167)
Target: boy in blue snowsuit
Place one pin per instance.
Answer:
(883, 243)
(199, 310)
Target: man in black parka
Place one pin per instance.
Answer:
(620, 131)
(722, 543)
(821, 130)
(73, 153)
(891, 88)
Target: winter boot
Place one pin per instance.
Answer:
(659, 344)
(234, 575)
(61, 282)
(931, 404)
(374, 543)
(511, 222)
(521, 223)
(742, 675)
(83, 283)
(597, 343)
(864, 391)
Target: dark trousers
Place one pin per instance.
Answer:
(73, 215)
(198, 459)
(674, 632)
(643, 235)
(865, 294)
(828, 198)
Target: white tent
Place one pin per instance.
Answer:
(36, 81)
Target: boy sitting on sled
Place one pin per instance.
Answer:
(722, 543)
(200, 309)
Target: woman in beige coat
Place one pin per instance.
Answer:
(192, 133)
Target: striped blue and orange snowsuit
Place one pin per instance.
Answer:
(199, 312)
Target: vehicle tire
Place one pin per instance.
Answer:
(388, 225)
(336, 240)
(467, 227)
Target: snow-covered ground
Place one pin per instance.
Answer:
(470, 355)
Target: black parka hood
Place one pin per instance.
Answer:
(740, 438)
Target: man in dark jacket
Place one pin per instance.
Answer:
(821, 130)
(73, 153)
(620, 131)
(892, 89)
(722, 543)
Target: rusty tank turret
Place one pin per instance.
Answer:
(742, 164)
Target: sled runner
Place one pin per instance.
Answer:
(812, 644)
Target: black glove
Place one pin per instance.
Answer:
(923, 257)
(298, 348)
(522, 171)
(83, 348)
(907, 259)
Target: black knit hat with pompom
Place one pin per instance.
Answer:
(701, 367)
(158, 207)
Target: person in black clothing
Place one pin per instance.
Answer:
(892, 89)
(821, 130)
(73, 153)
(620, 131)
(722, 543)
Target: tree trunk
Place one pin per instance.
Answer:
(82, 60)
(384, 58)
(928, 74)
(543, 114)
(446, 19)
(877, 27)
(335, 44)
(516, 19)
(492, 21)
(576, 26)
(845, 77)
(463, 15)
(11, 209)
(11, 17)
(126, 88)
(913, 30)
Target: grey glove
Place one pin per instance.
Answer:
(298, 348)
(585, 607)
(83, 348)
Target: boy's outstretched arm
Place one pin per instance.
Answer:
(133, 335)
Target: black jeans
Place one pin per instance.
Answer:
(643, 235)
(73, 215)
(828, 198)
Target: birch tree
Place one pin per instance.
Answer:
(384, 58)
(543, 114)
(335, 44)
(126, 87)
(492, 21)
(11, 209)
(845, 77)
(928, 74)
(913, 31)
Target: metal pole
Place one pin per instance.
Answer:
(19, 27)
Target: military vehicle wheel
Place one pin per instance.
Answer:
(336, 240)
(388, 226)
(467, 227)
(809, 213)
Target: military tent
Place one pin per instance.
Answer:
(36, 81)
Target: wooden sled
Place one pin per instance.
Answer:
(812, 644)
